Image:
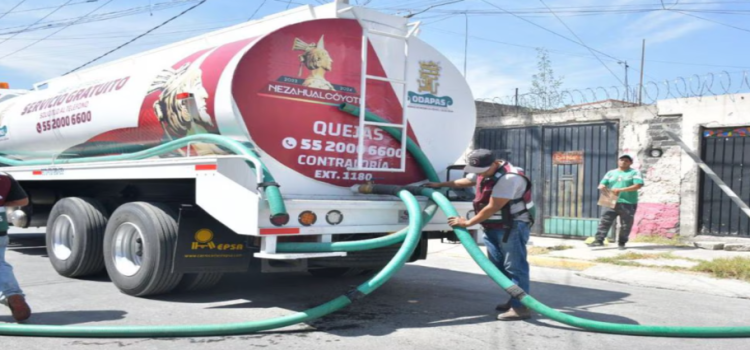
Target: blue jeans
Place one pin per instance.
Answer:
(8, 284)
(510, 257)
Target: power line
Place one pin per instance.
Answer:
(257, 9)
(595, 8)
(582, 43)
(431, 7)
(100, 17)
(103, 37)
(591, 10)
(137, 37)
(548, 30)
(585, 55)
(712, 21)
(698, 64)
(510, 44)
(665, 7)
(11, 10)
(39, 20)
(53, 33)
(43, 8)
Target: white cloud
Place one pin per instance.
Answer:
(498, 75)
(677, 31)
(663, 26)
(495, 75)
(52, 57)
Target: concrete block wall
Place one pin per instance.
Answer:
(697, 113)
(669, 200)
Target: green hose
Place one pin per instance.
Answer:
(355, 246)
(411, 146)
(279, 216)
(407, 249)
(530, 302)
(412, 235)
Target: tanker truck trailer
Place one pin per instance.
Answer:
(171, 167)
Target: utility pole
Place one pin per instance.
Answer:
(466, 43)
(640, 85)
(627, 93)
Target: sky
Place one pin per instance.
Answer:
(690, 44)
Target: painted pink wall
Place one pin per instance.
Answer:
(656, 219)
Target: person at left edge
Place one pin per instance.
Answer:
(501, 190)
(11, 295)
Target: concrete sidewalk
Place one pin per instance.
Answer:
(665, 266)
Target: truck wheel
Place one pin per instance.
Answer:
(138, 249)
(193, 282)
(75, 231)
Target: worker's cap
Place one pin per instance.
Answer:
(625, 155)
(479, 161)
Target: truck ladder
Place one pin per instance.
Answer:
(404, 36)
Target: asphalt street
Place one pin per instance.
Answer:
(445, 302)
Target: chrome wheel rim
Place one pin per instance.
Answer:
(63, 236)
(128, 249)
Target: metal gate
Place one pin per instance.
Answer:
(727, 153)
(575, 160)
(565, 164)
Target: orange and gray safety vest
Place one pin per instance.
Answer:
(503, 218)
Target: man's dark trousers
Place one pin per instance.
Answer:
(626, 212)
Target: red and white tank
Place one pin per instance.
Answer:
(275, 83)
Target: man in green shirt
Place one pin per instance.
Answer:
(625, 183)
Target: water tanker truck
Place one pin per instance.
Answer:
(172, 167)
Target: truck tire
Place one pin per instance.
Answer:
(75, 231)
(193, 282)
(138, 249)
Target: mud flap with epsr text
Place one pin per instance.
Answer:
(206, 245)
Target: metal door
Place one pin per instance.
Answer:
(727, 153)
(565, 164)
(575, 159)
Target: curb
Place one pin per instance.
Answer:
(555, 263)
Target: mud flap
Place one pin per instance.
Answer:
(206, 245)
(420, 252)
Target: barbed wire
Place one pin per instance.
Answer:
(694, 86)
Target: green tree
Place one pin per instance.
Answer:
(545, 86)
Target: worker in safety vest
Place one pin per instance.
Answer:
(11, 195)
(502, 206)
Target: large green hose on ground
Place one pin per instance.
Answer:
(499, 278)
(416, 222)
(407, 249)
(273, 195)
(530, 302)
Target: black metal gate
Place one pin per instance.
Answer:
(575, 160)
(727, 153)
(565, 164)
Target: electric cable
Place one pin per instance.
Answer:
(257, 9)
(39, 20)
(55, 32)
(11, 9)
(582, 43)
(137, 37)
